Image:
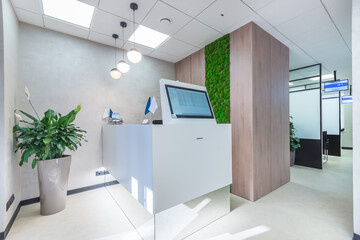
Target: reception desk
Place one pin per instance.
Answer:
(165, 165)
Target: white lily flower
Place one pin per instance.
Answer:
(27, 93)
(18, 117)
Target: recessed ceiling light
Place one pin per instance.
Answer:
(148, 37)
(327, 76)
(71, 11)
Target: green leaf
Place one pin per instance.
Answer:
(26, 154)
(47, 140)
(33, 164)
(29, 116)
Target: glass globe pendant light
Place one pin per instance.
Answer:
(114, 72)
(123, 66)
(134, 55)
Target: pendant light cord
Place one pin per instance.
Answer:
(115, 51)
(134, 25)
(123, 35)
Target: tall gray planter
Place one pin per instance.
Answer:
(292, 158)
(53, 184)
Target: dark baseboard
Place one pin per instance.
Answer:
(347, 148)
(12, 220)
(356, 237)
(79, 190)
(37, 199)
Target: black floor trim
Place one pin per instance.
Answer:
(347, 148)
(37, 199)
(12, 220)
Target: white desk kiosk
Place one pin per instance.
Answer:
(186, 161)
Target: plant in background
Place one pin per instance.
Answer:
(294, 141)
(46, 138)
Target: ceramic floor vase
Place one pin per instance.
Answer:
(292, 158)
(53, 183)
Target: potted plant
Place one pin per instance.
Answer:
(294, 143)
(46, 140)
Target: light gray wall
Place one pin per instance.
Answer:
(2, 118)
(356, 111)
(62, 71)
(346, 122)
(9, 169)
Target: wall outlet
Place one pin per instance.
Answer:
(10, 201)
(100, 173)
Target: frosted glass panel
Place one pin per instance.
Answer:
(305, 110)
(330, 116)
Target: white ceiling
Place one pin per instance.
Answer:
(316, 31)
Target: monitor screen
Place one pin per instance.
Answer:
(346, 99)
(334, 86)
(188, 103)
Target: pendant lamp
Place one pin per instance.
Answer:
(134, 55)
(123, 66)
(115, 73)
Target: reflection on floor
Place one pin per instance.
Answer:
(316, 204)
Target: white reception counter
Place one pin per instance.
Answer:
(166, 165)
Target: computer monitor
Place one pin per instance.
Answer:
(188, 103)
(183, 103)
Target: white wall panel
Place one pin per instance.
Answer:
(305, 110)
(330, 115)
(356, 111)
(346, 123)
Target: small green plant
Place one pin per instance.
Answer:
(294, 141)
(46, 138)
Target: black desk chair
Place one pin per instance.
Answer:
(326, 143)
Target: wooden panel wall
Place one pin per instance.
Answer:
(192, 68)
(259, 107)
(259, 97)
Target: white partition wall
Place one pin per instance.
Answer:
(331, 116)
(346, 124)
(305, 110)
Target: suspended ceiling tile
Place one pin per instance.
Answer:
(311, 20)
(188, 53)
(162, 10)
(224, 13)
(64, 27)
(164, 56)
(94, 3)
(190, 7)
(122, 9)
(320, 39)
(174, 47)
(29, 17)
(108, 24)
(257, 4)
(280, 11)
(299, 59)
(34, 6)
(341, 11)
(196, 33)
(104, 39)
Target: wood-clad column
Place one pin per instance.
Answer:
(192, 68)
(259, 98)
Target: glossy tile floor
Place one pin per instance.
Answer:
(316, 204)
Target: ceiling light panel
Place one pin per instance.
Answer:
(148, 37)
(71, 11)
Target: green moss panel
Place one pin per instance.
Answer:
(217, 68)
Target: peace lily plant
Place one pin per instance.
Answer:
(46, 138)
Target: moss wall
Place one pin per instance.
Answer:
(217, 68)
